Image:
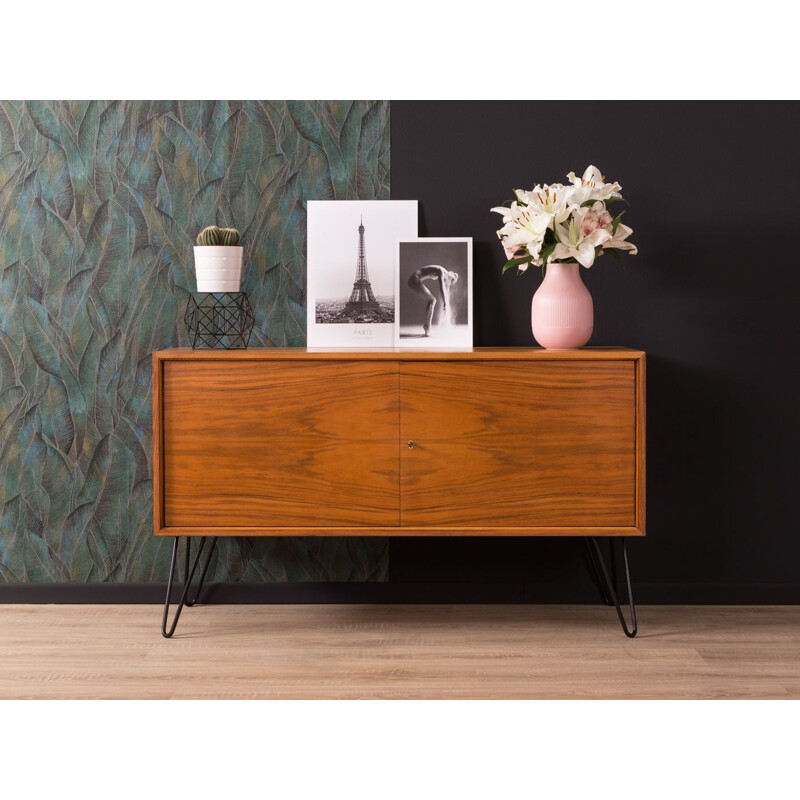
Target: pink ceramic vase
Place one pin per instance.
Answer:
(562, 315)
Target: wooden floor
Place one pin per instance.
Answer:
(337, 651)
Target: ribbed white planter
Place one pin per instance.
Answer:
(218, 268)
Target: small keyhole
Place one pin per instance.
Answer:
(411, 444)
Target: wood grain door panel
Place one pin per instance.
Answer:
(518, 444)
(264, 443)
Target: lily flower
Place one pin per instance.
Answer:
(592, 186)
(573, 242)
(619, 242)
(524, 229)
(554, 199)
(508, 212)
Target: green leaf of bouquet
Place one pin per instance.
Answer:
(614, 252)
(615, 222)
(546, 250)
(516, 262)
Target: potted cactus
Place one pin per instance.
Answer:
(218, 260)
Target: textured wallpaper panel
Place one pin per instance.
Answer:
(99, 206)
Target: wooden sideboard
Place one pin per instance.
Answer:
(390, 442)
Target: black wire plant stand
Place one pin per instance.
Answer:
(221, 320)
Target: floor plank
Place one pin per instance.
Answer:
(360, 651)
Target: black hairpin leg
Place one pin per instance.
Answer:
(596, 573)
(196, 599)
(609, 585)
(188, 575)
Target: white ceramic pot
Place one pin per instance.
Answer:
(218, 268)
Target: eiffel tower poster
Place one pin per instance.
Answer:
(351, 253)
(362, 305)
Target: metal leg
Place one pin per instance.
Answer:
(189, 574)
(193, 602)
(610, 588)
(596, 573)
(612, 557)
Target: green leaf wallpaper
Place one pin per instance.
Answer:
(99, 206)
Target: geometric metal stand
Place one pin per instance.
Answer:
(608, 586)
(188, 575)
(224, 320)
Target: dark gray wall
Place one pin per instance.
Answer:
(712, 297)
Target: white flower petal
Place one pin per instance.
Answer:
(598, 237)
(585, 254)
(623, 232)
(629, 246)
(562, 233)
(560, 251)
(519, 238)
(593, 174)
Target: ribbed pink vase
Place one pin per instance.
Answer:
(562, 314)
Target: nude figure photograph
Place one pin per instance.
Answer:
(434, 288)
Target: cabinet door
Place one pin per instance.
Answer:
(518, 444)
(280, 443)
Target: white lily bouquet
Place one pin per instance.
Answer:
(567, 224)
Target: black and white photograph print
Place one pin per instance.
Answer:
(351, 285)
(433, 291)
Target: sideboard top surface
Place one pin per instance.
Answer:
(402, 354)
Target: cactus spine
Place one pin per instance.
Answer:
(212, 236)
